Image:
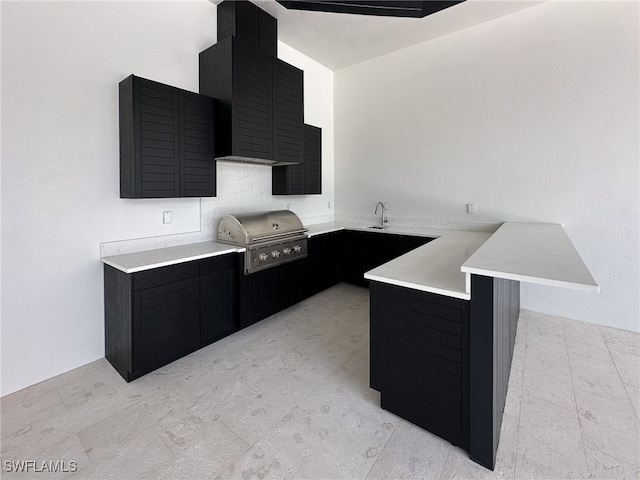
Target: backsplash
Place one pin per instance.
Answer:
(241, 188)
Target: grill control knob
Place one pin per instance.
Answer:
(286, 251)
(297, 248)
(263, 257)
(275, 253)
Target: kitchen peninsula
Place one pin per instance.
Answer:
(441, 356)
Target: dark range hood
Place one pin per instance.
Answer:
(386, 8)
(259, 98)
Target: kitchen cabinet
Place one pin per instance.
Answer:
(368, 250)
(419, 358)
(156, 316)
(166, 141)
(304, 178)
(443, 363)
(325, 260)
(258, 295)
(217, 298)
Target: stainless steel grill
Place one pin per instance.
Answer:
(271, 238)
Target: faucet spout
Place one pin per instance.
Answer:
(383, 218)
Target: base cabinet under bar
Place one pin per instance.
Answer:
(443, 363)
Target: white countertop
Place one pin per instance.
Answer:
(161, 257)
(532, 252)
(529, 252)
(434, 267)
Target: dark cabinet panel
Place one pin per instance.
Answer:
(313, 159)
(166, 323)
(419, 361)
(156, 316)
(251, 25)
(325, 260)
(306, 177)
(252, 121)
(288, 116)
(217, 298)
(295, 282)
(240, 79)
(368, 250)
(166, 141)
(258, 296)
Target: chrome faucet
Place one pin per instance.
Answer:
(383, 219)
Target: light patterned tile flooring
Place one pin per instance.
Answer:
(289, 398)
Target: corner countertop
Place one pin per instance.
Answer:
(162, 257)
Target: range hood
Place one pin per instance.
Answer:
(258, 97)
(254, 161)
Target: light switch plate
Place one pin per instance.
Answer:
(167, 217)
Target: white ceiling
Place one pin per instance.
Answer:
(339, 40)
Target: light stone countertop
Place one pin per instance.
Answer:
(532, 252)
(434, 267)
(529, 252)
(162, 257)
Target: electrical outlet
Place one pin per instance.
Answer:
(167, 217)
(386, 205)
(471, 208)
(288, 206)
(330, 204)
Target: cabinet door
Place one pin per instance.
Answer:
(258, 296)
(252, 117)
(217, 298)
(313, 159)
(166, 141)
(197, 163)
(419, 358)
(149, 139)
(166, 325)
(295, 283)
(325, 265)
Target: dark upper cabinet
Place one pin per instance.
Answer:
(288, 112)
(166, 141)
(306, 177)
(241, 81)
(251, 25)
(312, 159)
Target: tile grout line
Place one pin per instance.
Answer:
(618, 372)
(381, 450)
(524, 362)
(575, 400)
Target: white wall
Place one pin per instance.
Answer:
(533, 117)
(61, 64)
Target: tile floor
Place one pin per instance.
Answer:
(289, 398)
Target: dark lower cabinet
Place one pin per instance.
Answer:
(167, 323)
(258, 296)
(419, 358)
(325, 260)
(156, 316)
(443, 363)
(217, 298)
(295, 283)
(368, 250)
